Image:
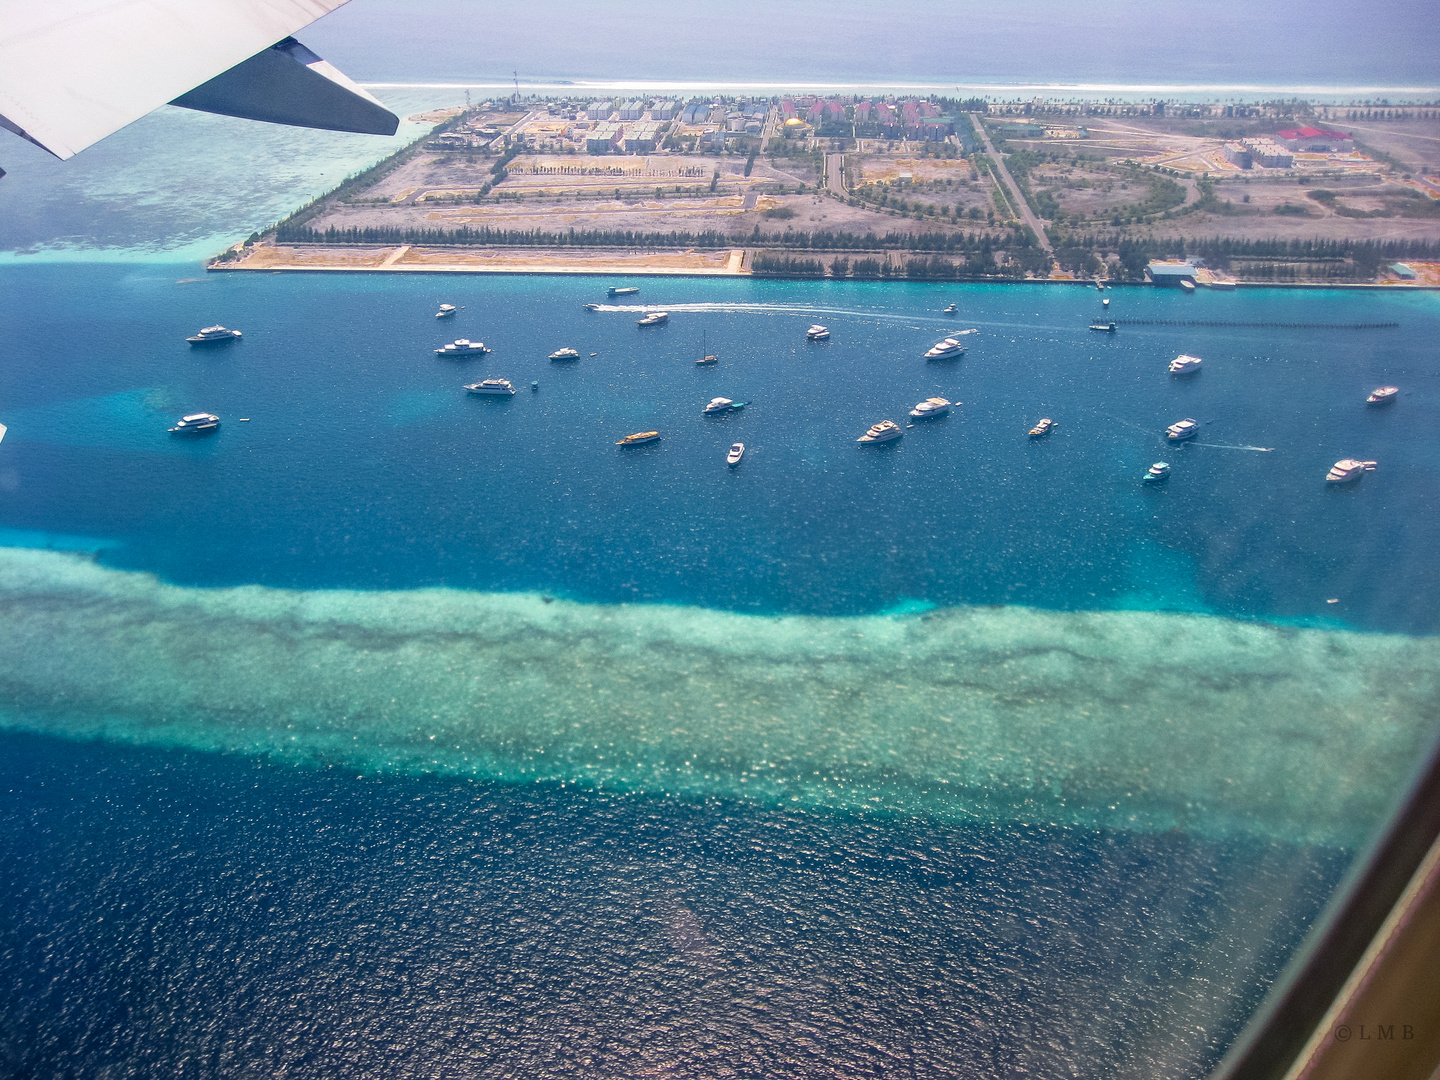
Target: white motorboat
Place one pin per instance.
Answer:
(1182, 430)
(463, 347)
(214, 335)
(628, 290)
(1105, 327)
(565, 354)
(737, 451)
(950, 310)
(1043, 428)
(883, 432)
(1185, 364)
(655, 318)
(1105, 302)
(491, 386)
(446, 310)
(945, 350)
(1157, 472)
(930, 408)
(592, 307)
(196, 424)
(818, 333)
(1382, 395)
(721, 405)
(1348, 469)
(639, 438)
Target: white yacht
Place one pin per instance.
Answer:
(446, 310)
(1043, 428)
(491, 386)
(628, 290)
(1382, 395)
(463, 347)
(930, 408)
(737, 451)
(1157, 472)
(818, 333)
(565, 354)
(1347, 469)
(654, 318)
(883, 432)
(214, 335)
(950, 310)
(1185, 364)
(196, 424)
(721, 405)
(1182, 430)
(1105, 301)
(945, 350)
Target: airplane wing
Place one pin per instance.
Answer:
(75, 71)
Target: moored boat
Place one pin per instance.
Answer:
(446, 310)
(818, 333)
(945, 350)
(462, 347)
(565, 354)
(949, 310)
(1182, 430)
(721, 405)
(639, 438)
(1348, 469)
(1105, 302)
(214, 335)
(930, 408)
(737, 451)
(199, 423)
(1187, 286)
(628, 290)
(1185, 365)
(1382, 395)
(1043, 428)
(655, 318)
(883, 432)
(491, 386)
(1159, 471)
(1107, 327)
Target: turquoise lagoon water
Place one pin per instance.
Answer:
(971, 753)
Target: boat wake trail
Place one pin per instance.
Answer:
(770, 309)
(1228, 446)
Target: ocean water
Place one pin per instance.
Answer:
(398, 730)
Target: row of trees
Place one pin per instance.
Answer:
(981, 264)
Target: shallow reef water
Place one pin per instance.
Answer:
(1119, 719)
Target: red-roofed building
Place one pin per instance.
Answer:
(1315, 140)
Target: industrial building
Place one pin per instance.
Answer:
(1239, 155)
(1171, 272)
(1269, 155)
(1315, 140)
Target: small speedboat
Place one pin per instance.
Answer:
(737, 451)
(1382, 395)
(628, 290)
(463, 347)
(949, 310)
(1105, 302)
(1043, 428)
(655, 318)
(945, 350)
(1157, 472)
(883, 432)
(592, 307)
(1348, 469)
(639, 438)
(818, 333)
(930, 408)
(1099, 285)
(565, 354)
(1187, 286)
(446, 310)
(1185, 365)
(214, 335)
(491, 386)
(721, 405)
(199, 423)
(1182, 430)
(1106, 327)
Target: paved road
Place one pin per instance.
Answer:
(835, 174)
(1012, 192)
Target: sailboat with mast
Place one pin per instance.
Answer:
(706, 356)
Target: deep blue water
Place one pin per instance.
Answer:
(195, 915)
(365, 464)
(210, 914)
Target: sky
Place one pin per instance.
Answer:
(1381, 43)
